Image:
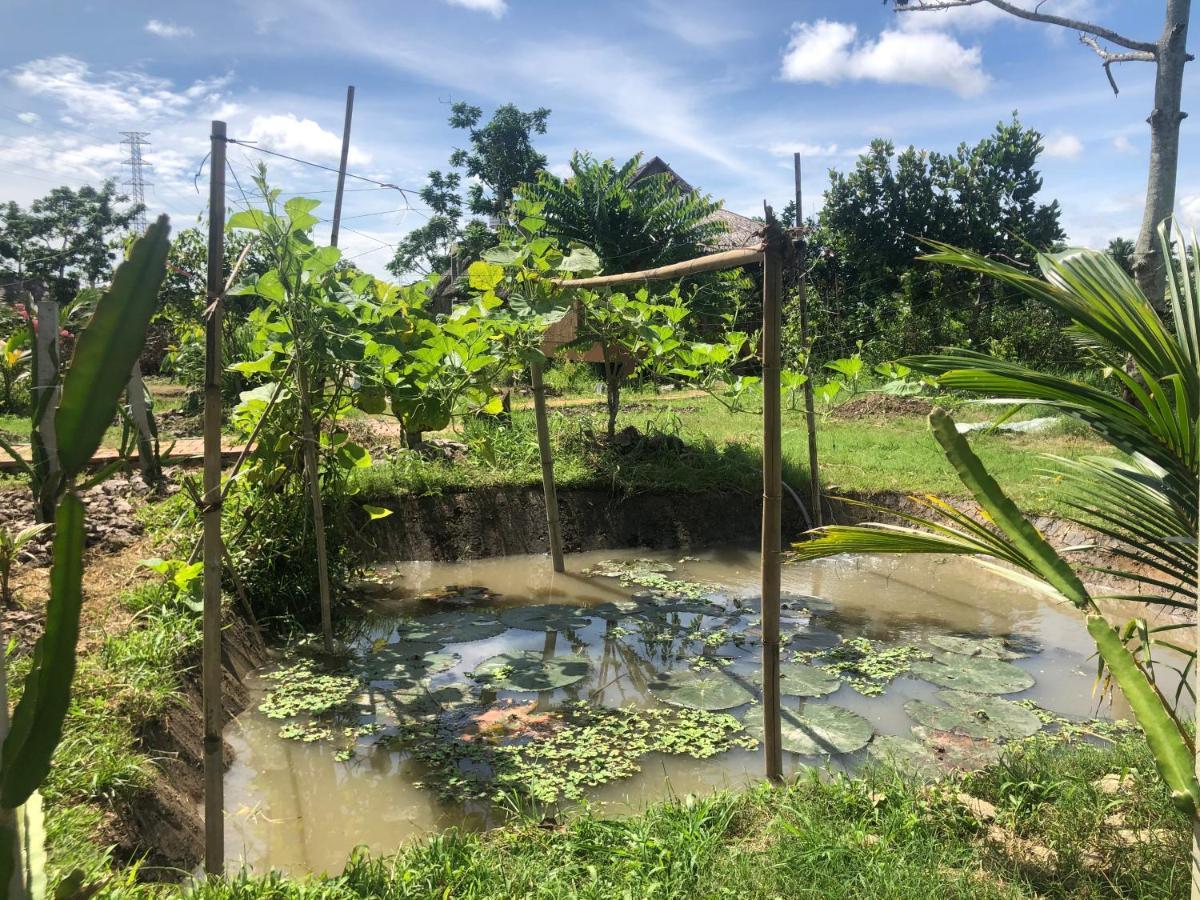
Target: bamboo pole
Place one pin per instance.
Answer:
(312, 474)
(214, 768)
(47, 389)
(341, 182)
(141, 414)
(772, 495)
(544, 451)
(810, 418)
(726, 259)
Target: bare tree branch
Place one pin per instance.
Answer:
(1034, 15)
(1109, 58)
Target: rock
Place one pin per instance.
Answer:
(980, 809)
(1114, 784)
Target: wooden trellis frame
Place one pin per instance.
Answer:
(769, 253)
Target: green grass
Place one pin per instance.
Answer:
(878, 835)
(99, 765)
(722, 451)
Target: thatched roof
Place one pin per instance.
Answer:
(740, 231)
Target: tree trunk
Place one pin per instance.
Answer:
(612, 390)
(1148, 265)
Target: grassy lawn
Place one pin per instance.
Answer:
(871, 453)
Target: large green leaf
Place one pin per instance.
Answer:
(38, 719)
(1034, 548)
(1173, 752)
(107, 349)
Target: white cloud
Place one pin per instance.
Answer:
(301, 137)
(29, 118)
(168, 30)
(830, 52)
(824, 151)
(497, 8)
(561, 170)
(1188, 211)
(1122, 144)
(693, 23)
(128, 96)
(1064, 145)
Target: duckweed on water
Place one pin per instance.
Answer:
(867, 666)
(300, 688)
(650, 574)
(587, 747)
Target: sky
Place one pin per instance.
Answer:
(724, 91)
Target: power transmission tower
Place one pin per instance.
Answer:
(136, 140)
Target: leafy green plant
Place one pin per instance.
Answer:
(103, 357)
(14, 368)
(1146, 505)
(11, 545)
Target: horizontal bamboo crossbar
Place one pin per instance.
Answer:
(726, 259)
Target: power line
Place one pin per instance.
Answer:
(316, 165)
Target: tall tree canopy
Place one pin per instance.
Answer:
(500, 157)
(631, 224)
(66, 239)
(869, 232)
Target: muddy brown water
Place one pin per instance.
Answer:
(293, 806)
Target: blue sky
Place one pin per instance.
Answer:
(723, 91)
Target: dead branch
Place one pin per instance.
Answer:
(1108, 58)
(1034, 15)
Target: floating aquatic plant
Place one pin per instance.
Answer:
(868, 666)
(708, 690)
(584, 747)
(905, 754)
(300, 688)
(405, 663)
(547, 617)
(818, 729)
(985, 648)
(529, 670)
(456, 626)
(975, 715)
(651, 574)
(972, 673)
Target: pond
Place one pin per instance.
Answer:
(482, 684)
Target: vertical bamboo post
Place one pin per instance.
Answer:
(810, 418)
(543, 436)
(47, 388)
(312, 473)
(214, 768)
(772, 493)
(141, 414)
(341, 182)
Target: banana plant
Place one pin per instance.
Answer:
(91, 387)
(1146, 504)
(14, 366)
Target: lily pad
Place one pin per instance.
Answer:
(905, 754)
(406, 662)
(818, 729)
(452, 627)
(795, 679)
(798, 680)
(973, 673)
(709, 690)
(546, 617)
(528, 671)
(616, 610)
(975, 716)
(984, 648)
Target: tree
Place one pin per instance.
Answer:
(501, 157)
(632, 225)
(1144, 501)
(66, 238)
(863, 245)
(1169, 55)
(1121, 250)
